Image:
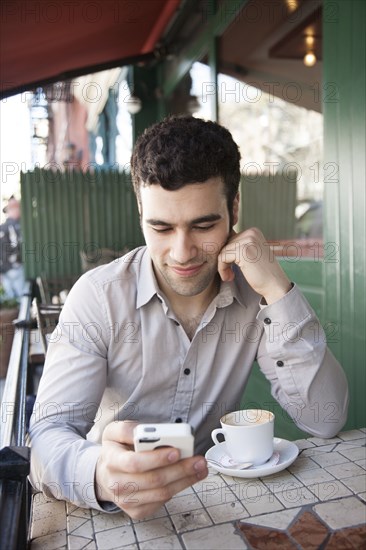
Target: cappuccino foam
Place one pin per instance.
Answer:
(250, 417)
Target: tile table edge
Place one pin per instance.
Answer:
(329, 516)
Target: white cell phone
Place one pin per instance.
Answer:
(147, 437)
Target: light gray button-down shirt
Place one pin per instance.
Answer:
(119, 353)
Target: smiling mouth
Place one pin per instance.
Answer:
(186, 271)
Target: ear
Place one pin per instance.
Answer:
(139, 204)
(236, 204)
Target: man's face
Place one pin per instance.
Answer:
(184, 232)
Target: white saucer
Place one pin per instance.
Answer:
(288, 452)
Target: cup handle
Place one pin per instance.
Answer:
(215, 433)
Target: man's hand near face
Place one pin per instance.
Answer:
(140, 483)
(251, 252)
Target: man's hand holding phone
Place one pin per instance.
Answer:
(141, 482)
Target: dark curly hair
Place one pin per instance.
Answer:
(182, 149)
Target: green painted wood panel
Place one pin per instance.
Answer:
(345, 201)
(336, 286)
(214, 17)
(143, 82)
(64, 213)
(268, 202)
(308, 274)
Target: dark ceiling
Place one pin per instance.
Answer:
(266, 44)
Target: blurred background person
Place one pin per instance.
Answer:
(11, 267)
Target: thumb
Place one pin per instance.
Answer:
(225, 271)
(227, 258)
(120, 432)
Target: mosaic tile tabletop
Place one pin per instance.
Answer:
(319, 502)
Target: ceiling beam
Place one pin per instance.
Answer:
(305, 11)
(216, 24)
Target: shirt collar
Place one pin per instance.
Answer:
(230, 290)
(147, 286)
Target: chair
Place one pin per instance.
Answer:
(51, 287)
(47, 318)
(43, 289)
(102, 256)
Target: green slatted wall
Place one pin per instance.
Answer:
(268, 202)
(345, 194)
(336, 286)
(64, 213)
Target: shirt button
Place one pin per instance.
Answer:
(187, 371)
(267, 321)
(280, 363)
(178, 420)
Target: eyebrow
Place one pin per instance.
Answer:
(195, 221)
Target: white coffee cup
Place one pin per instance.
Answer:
(248, 435)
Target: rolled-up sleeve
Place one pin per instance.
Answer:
(306, 379)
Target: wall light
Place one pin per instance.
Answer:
(133, 104)
(310, 57)
(292, 5)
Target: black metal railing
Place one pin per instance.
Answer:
(14, 454)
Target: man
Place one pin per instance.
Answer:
(150, 338)
(11, 268)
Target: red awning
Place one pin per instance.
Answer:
(46, 41)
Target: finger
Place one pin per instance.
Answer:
(152, 478)
(226, 273)
(141, 499)
(145, 461)
(121, 431)
(140, 512)
(149, 486)
(226, 259)
(122, 460)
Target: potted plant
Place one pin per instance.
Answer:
(9, 309)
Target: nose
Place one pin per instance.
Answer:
(183, 248)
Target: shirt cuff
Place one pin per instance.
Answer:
(263, 303)
(284, 320)
(86, 465)
(291, 307)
